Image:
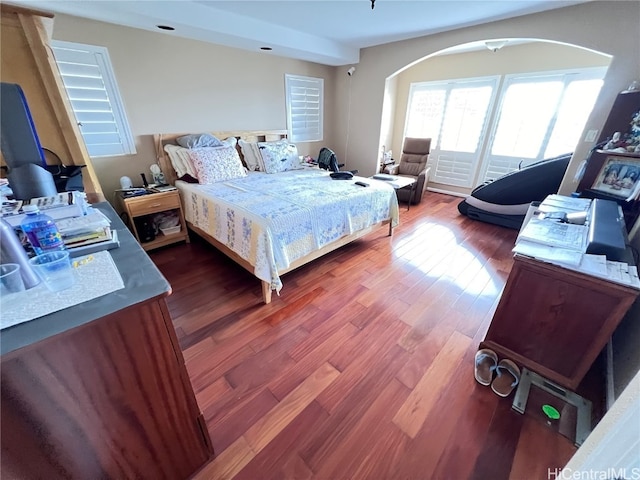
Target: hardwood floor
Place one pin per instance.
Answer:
(363, 367)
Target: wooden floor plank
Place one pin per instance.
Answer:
(501, 441)
(372, 437)
(424, 349)
(280, 458)
(292, 377)
(269, 426)
(412, 414)
(538, 440)
(325, 440)
(230, 426)
(467, 439)
(386, 327)
(228, 463)
(356, 368)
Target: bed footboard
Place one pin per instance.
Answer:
(266, 286)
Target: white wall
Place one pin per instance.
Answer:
(612, 450)
(590, 25)
(170, 84)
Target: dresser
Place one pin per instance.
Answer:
(100, 390)
(555, 321)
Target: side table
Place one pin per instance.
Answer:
(398, 182)
(149, 204)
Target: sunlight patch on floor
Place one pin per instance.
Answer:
(441, 256)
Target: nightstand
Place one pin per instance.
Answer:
(140, 210)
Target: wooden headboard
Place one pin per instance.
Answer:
(162, 139)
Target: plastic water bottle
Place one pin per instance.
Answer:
(11, 251)
(41, 231)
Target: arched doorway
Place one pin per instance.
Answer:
(491, 110)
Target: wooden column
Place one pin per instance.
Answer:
(27, 59)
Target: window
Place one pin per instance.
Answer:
(92, 90)
(304, 98)
(453, 114)
(541, 116)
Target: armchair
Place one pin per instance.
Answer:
(413, 163)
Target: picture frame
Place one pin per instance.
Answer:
(618, 176)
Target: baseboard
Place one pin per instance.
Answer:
(447, 192)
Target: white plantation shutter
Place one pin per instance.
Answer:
(92, 90)
(305, 100)
(454, 115)
(425, 112)
(542, 115)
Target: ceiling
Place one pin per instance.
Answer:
(330, 32)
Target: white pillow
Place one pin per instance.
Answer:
(198, 140)
(229, 142)
(216, 164)
(251, 154)
(279, 156)
(180, 160)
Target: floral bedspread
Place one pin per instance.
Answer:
(272, 220)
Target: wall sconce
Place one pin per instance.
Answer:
(495, 45)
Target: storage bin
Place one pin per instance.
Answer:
(170, 230)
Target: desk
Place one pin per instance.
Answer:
(555, 321)
(100, 390)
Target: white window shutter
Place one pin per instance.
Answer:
(305, 105)
(453, 114)
(92, 90)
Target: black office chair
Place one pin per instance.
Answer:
(327, 160)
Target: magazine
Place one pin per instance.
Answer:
(62, 205)
(555, 234)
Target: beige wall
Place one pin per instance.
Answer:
(169, 84)
(532, 57)
(589, 25)
(172, 84)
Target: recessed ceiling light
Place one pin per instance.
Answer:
(165, 27)
(266, 49)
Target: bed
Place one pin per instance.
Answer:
(272, 223)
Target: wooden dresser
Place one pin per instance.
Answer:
(555, 321)
(100, 390)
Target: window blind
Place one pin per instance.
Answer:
(557, 105)
(453, 114)
(305, 99)
(92, 90)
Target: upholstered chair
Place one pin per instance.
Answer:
(413, 163)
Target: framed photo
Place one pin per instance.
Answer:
(618, 176)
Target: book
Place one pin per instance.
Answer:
(162, 188)
(80, 250)
(93, 221)
(86, 238)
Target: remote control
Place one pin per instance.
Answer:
(362, 184)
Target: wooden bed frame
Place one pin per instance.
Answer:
(161, 140)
